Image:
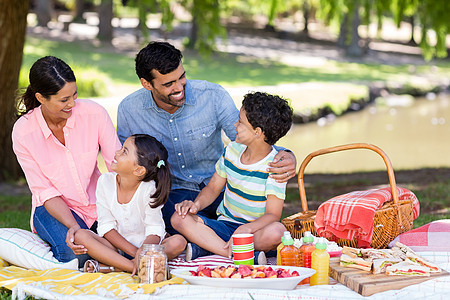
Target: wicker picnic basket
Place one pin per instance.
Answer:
(393, 218)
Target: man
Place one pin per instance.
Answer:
(187, 117)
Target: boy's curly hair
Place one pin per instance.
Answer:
(269, 112)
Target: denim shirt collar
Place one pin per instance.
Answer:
(190, 100)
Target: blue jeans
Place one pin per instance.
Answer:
(53, 232)
(224, 229)
(179, 195)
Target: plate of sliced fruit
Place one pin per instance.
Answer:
(243, 276)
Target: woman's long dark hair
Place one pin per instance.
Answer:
(149, 152)
(48, 75)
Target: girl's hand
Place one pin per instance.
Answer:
(135, 265)
(185, 207)
(70, 238)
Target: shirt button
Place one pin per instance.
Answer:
(182, 166)
(190, 176)
(179, 153)
(175, 139)
(204, 134)
(170, 120)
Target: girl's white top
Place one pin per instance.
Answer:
(134, 220)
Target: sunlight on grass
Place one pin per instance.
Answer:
(227, 70)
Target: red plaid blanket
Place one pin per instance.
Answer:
(351, 215)
(434, 236)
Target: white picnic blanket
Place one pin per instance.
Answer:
(438, 288)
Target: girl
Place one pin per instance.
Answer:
(129, 202)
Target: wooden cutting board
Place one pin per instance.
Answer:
(366, 284)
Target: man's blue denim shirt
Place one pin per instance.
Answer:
(191, 135)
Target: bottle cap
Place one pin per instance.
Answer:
(321, 244)
(287, 239)
(308, 238)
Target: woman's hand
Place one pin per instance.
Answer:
(283, 166)
(70, 238)
(185, 207)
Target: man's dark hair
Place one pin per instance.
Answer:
(160, 56)
(271, 113)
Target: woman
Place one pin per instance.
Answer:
(56, 140)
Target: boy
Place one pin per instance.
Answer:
(253, 201)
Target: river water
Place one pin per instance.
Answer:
(412, 135)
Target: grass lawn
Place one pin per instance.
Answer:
(105, 72)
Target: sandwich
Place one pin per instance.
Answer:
(352, 252)
(405, 249)
(372, 254)
(416, 259)
(355, 262)
(379, 265)
(407, 268)
(413, 257)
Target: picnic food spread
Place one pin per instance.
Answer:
(243, 271)
(152, 264)
(400, 260)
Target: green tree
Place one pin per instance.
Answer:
(152, 6)
(432, 16)
(206, 26)
(13, 16)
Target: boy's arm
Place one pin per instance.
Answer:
(274, 208)
(206, 196)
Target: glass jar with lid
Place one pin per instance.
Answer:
(152, 264)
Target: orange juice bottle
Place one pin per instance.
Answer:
(280, 246)
(289, 252)
(320, 261)
(305, 253)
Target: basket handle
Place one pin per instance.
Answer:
(301, 171)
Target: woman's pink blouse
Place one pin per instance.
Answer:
(69, 171)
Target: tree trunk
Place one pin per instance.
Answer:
(12, 38)
(105, 15)
(412, 41)
(79, 10)
(44, 12)
(343, 31)
(193, 36)
(306, 14)
(354, 48)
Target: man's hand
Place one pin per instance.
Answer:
(283, 166)
(70, 238)
(185, 207)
